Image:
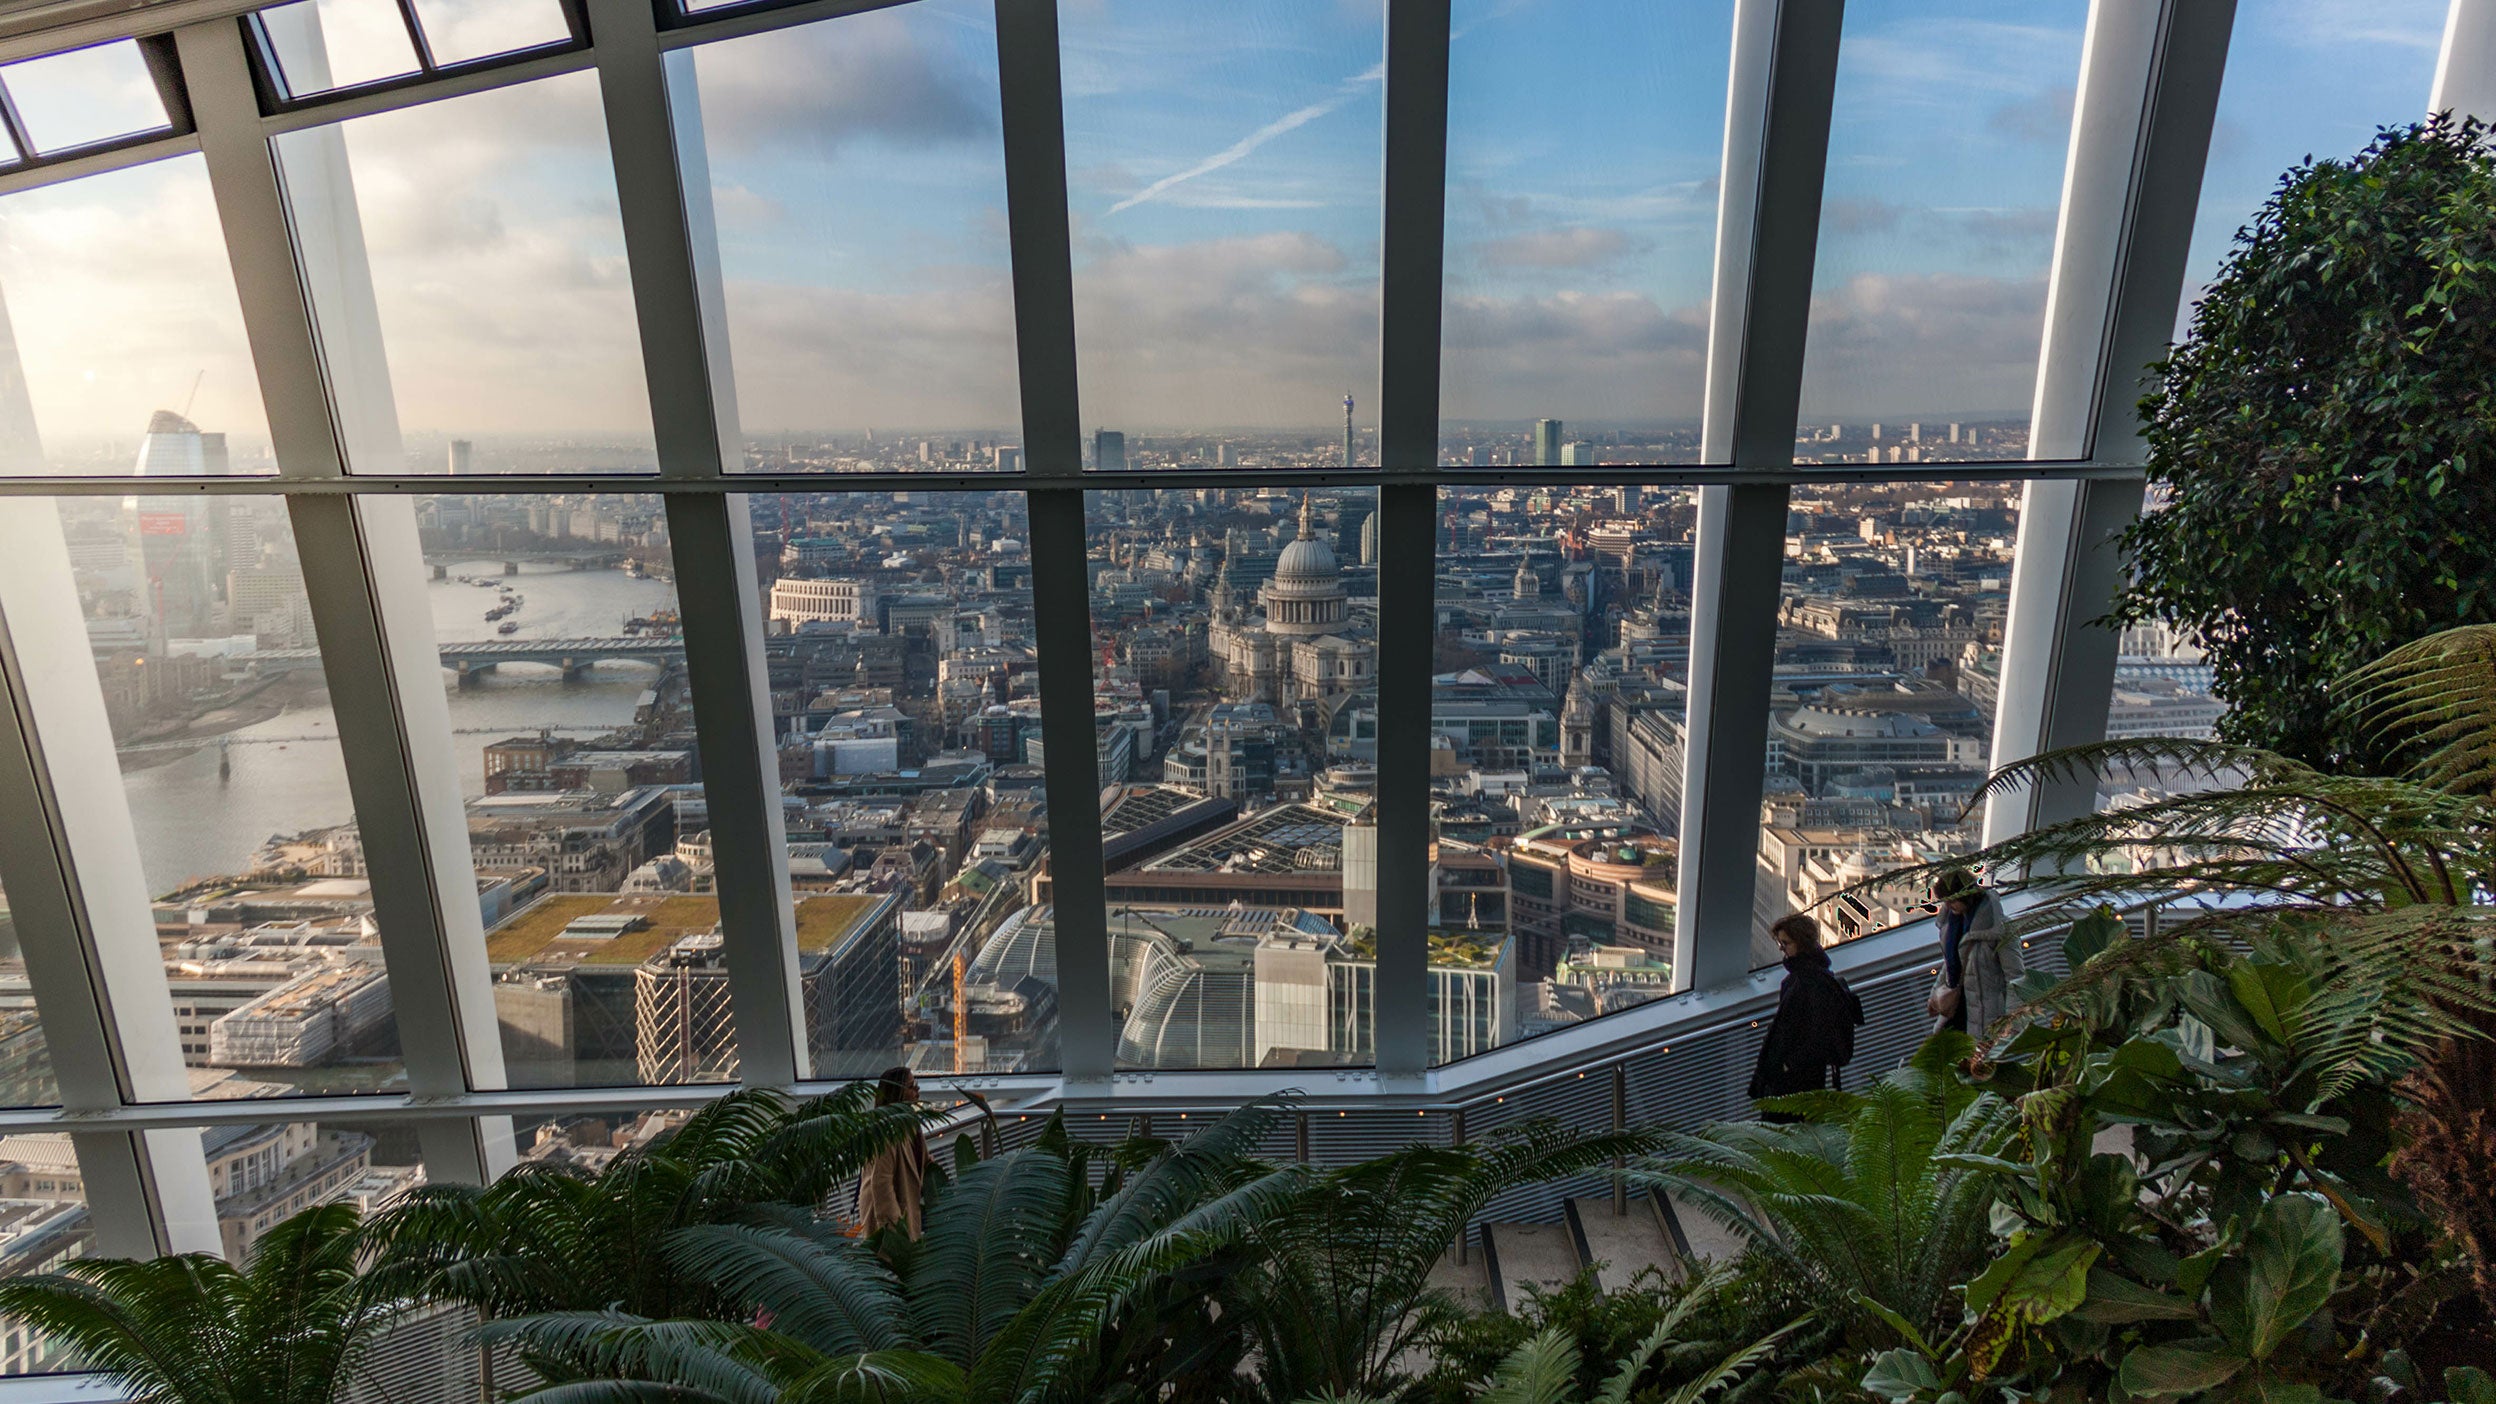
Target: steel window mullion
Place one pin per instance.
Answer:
(663, 190)
(1412, 243)
(2148, 96)
(2465, 67)
(364, 574)
(1031, 97)
(69, 859)
(1784, 74)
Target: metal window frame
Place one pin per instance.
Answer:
(2147, 100)
(277, 99)
(87, 156)
(1779, 95)
(356, 533)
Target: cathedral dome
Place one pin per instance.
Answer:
(1307, 559)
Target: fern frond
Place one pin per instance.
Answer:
(2433, 703)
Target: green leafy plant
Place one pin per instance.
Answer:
(1867, 1201)
(2318, 444)
(289, 1327)
(1548, 1367)
(1031, 1284)
(1333, 1287)
(547, 1238)
(2240, 1238)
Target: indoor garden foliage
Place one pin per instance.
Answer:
(2320, 444)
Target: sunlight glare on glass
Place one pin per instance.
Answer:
(461, 31)
(85, 96)
(323, 45)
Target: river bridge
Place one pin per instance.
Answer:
(474, 659)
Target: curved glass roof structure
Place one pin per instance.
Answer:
(560, 556)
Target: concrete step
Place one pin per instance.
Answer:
(1469, 1282)
(1625, 1245)
(1699, 1239)
(1519, 1255)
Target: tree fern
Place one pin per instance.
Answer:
(2432, 703)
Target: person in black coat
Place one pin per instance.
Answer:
(1813, 1034)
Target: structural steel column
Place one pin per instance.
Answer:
(1031, 95)
(1413, 240)
(2465, 69)
(1784, 74)
(2140, 135)
(662, 186)
(364, 574)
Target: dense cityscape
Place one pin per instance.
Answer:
(1236, 712)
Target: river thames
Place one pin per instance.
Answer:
(288, 776)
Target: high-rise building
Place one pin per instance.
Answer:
(1577, 455)
(1351, 446)
(1546, 443)
(462, 452)
(1109, 450)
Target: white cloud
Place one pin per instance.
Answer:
(1578, 247)
(1572, 355)
(1910, 344)
(1266, 330)
(860, 77)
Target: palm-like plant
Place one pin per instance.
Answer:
(289, 1327)
(1859, 1200)
(546, 1238)
(1021, 1289)
(1333, 1289)
(1545, 1369)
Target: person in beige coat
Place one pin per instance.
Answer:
(894, 1184)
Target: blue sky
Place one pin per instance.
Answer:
(1224, 171)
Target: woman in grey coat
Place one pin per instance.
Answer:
(1978, 961)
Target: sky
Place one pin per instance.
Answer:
(1223, 165)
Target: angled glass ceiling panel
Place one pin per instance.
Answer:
(85, 97)
(466, 265)
(1223, 167)
(323, 45)
(857, 187)
(118, 313)
(1946, 154)
(2304, 78)
(1580, 228)
(463, 31)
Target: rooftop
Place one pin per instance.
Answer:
(536, 933)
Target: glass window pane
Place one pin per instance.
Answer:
(263, 1174)
(1581, 223)
(1562, 680)
(117, 295)
(2304, 80)
(44, 1224)
(1236, 707)
(1889, 662)
(904, 684)
(459, 31)
(200, 627)
(565, 664)
(1223, 164)
(26, 1078)
(466, 262)
(85, 96)
(1952, 125)
(857, 180)
(321, 45)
